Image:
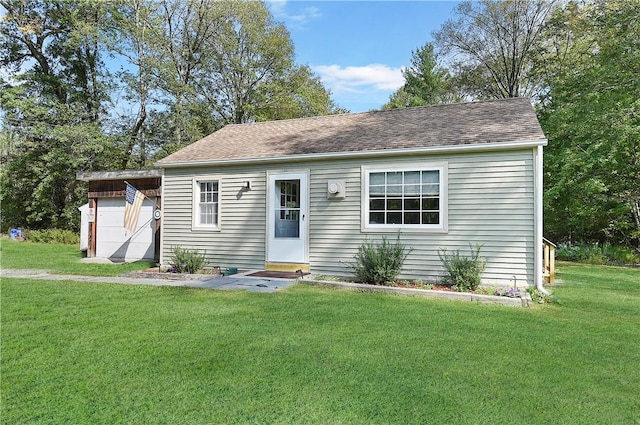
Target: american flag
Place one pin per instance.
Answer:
(133, 203)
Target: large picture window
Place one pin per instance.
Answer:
(206, 203)
(407, 198)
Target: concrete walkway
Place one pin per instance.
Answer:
(214, 282)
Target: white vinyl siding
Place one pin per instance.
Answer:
(489, 201)
(240, 239)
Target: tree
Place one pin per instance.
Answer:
(52, 99)
(426, 82)
(491, 44)
(252, 75)
(591, 115)
(297, 93)
(251, 51)
(183, 36)
(127, 35)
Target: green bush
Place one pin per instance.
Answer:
(537, 296)
(462, 273)
(598, 254)
(186, 260)
(66, 237)
(379, 263)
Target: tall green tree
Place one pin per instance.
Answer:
(490, 45)
(182, 48)
(426, 82)
(253, 51)
(252, 75)
(163, 46)
(52, 98)
(296, 93)
(127, 34)
(591, 115)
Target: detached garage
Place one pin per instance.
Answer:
(103, 224)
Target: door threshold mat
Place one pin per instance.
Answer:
(277, 274)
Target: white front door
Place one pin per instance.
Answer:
(287, 212)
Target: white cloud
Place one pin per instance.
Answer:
(277, 7)
(357, 79)
(305, 16)
(297, 20)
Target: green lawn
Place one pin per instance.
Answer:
(58, 258)
(83, 353)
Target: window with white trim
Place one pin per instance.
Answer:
(404, 198)
(206, 205)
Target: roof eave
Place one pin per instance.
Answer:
(88, 176)
(482, 147)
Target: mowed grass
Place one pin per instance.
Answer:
(58, 258)
(115, 354)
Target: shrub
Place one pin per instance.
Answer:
(462, 273)
(379, 263)
(187, 260)
(598, 254)
(621, 255)
(537, 296)
(66, 237)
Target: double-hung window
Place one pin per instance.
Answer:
(206, 204)
(411, 198)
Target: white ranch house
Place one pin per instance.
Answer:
(305, 193)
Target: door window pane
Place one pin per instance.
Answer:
(287, 214)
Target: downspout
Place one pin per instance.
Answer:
(538, 214)
(161, 260)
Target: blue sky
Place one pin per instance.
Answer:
(358, 48)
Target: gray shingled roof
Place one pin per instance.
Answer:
(476, 123)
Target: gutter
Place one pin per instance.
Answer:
(488, 147)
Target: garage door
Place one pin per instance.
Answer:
(113, 241)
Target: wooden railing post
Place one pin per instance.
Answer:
(552, 263)
(549, 261)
